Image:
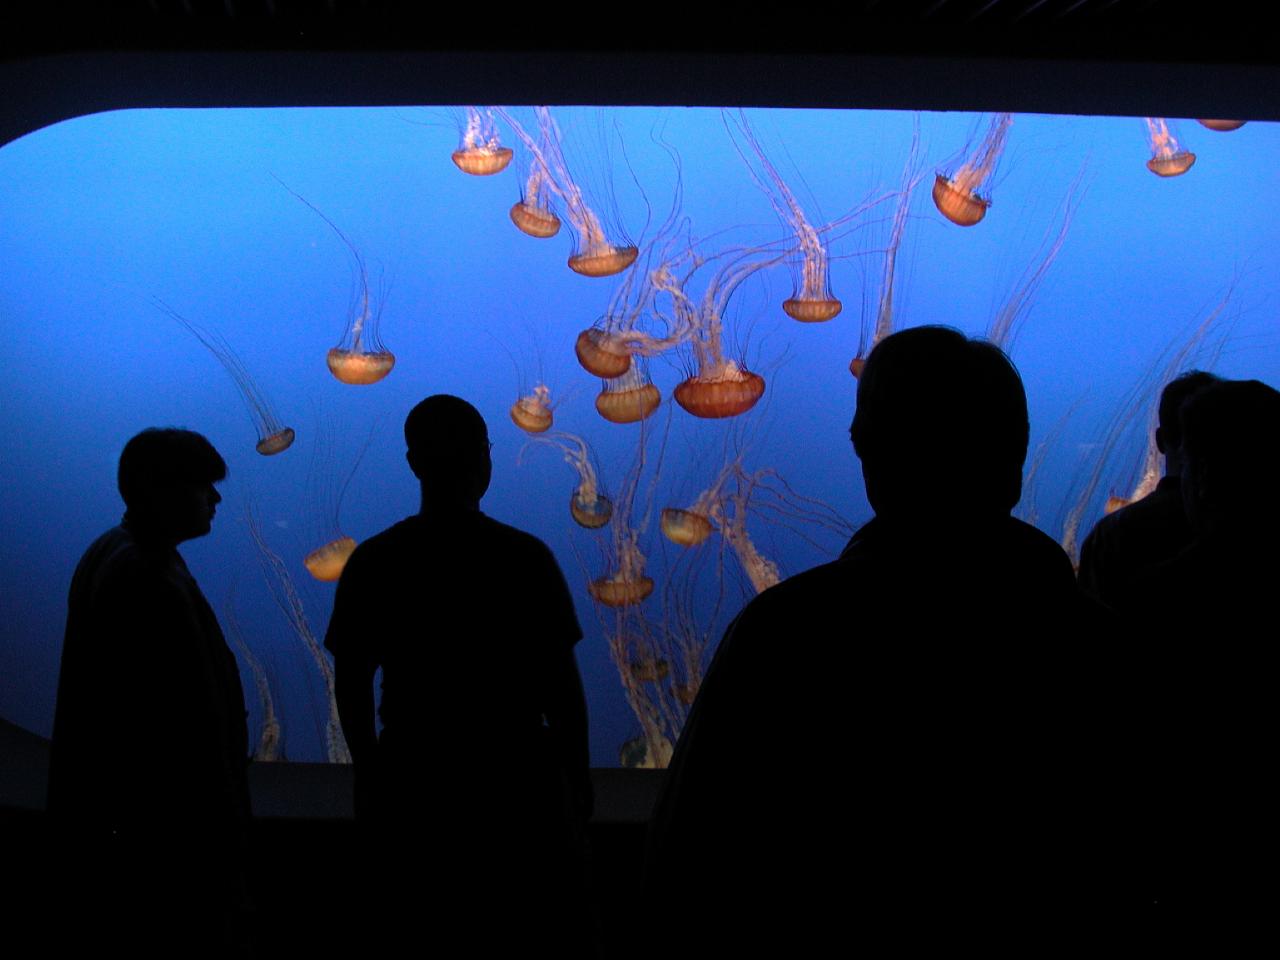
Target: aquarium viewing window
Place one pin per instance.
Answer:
(661, 313)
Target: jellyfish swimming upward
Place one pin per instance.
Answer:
(957, 196)
(480, 153)
(273, 436)
(1168, 159)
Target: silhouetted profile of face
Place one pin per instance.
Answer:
(448, 451)
(941, 426)
(166, 478)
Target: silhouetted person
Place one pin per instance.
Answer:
(147, 776)
(1206, 623)
(1149, 530)
(477, 788)
(884, 746)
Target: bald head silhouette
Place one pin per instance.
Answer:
(448, 451)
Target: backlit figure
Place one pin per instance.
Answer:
(957, 196)
(1168, 159)
(480, 153)
(273, 436)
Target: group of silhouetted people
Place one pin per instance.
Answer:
(937, 739)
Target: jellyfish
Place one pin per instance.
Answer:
(718, 386)
(480, 153)
(1004, 326)
(595, 254)
(625, 584)
(360, 357)
(1223, 126)
(588, 506)
(327, 561)
(533, 214)
(812, 300)
(1168, 159)
(884, 310)
(532, 413)
(691, 526)
(273, 436)
(629, 398)
(285, 594)
(956, 196)
(271, 740)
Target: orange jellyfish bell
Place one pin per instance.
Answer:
(275, 442)
(962, 207)
(1115, 503)
(734, 391)
(811, 310)
(591, 513)
(628, 405)
(604, 262)
(482, 161)
(856, 366)
(360, 368)
(1173, 165)
(534, 220)
(649, 670)
(532, 414)
(684, 527)
(620, 593)
(326, 563)
(1223, 126)
(601, 354)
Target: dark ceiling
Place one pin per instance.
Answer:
(1152, 57)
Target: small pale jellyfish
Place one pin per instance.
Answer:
(1223, 126)
(359, 358)
(957, 196)
(627, 584)
(480, 153)
(690, 527)
(533, 413)
(595, 254)
(588, 506)
(533, 214)
(271, 740)
(273, 436)
(1168, 159)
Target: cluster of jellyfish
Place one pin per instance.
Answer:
(670, 297)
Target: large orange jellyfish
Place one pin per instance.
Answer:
(595, 254)
(273, 436)
(1223, 126)
(533, 214)
(718, 386)
(812, 300)
(285, 594)
(1168, 159)
(588, 506)
(480, 153)
(957, 196)
(629, 398)
(360, 357)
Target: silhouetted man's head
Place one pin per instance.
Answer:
(166, 479)
(1231, 452)
(1174, 395)
(941, 426)
(448, 452)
